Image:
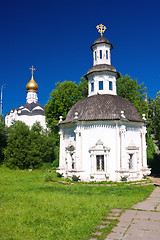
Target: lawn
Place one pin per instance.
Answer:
(31, 208)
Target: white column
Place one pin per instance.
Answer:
(106, 162)
(143, 147)
(61, 150)
(77, 157)
(92, 162)
(122, 147)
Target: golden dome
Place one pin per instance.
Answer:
(32, 86)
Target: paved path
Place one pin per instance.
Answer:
(142, 222)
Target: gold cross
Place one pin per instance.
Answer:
(101, 28)
(32, 70)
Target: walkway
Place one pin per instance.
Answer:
(142, 222)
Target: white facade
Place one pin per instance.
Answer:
(101, 54)
(108, 81)
(27, 119)
(103, 150)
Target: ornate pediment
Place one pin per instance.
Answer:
(99, 146)
(132, 146)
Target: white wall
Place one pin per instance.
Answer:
(104, 48)
(105, 78)
(29, 120)
(109, 134)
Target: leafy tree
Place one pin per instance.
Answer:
(154, 131)
(37, 128)
(154, 116)
(42, 146)
(17, 146)
(28, 148)
(62, 99)
(151, 149)
(3, 138)
(130, 90)
(82, 89)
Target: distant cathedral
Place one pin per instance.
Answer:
(31, 111)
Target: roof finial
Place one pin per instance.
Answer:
(101, 28)
(32, 70)
(32, 86)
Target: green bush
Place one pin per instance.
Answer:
(3, 138)
(55, 164)
(49, 176)
(28, 148)
(52, 176)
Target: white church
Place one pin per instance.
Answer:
(31, 111)
(103, 137)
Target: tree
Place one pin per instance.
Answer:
(130, 90)
(42, 146)
(28, 148)
(82, 89)
(156, 119)
(154, 114)
(62, 99)
(17, 146)
(3, 138)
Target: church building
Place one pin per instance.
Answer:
(31, 111)
(103, 137)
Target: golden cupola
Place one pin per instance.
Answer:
(32, 86)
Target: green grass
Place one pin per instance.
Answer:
(32, 209)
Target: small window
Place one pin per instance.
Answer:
(100, 53)
(131, 161)
(100, 162)
(110, 85)
(92, 86)
(100, 85)
(95, 56)
(106, 54)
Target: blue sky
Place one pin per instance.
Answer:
(55, 37)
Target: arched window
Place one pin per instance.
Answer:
(110, 85)
(100, 85)
(95, 55)
(100, 53)
(92, 86)
(130, 160)
(106, 54)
